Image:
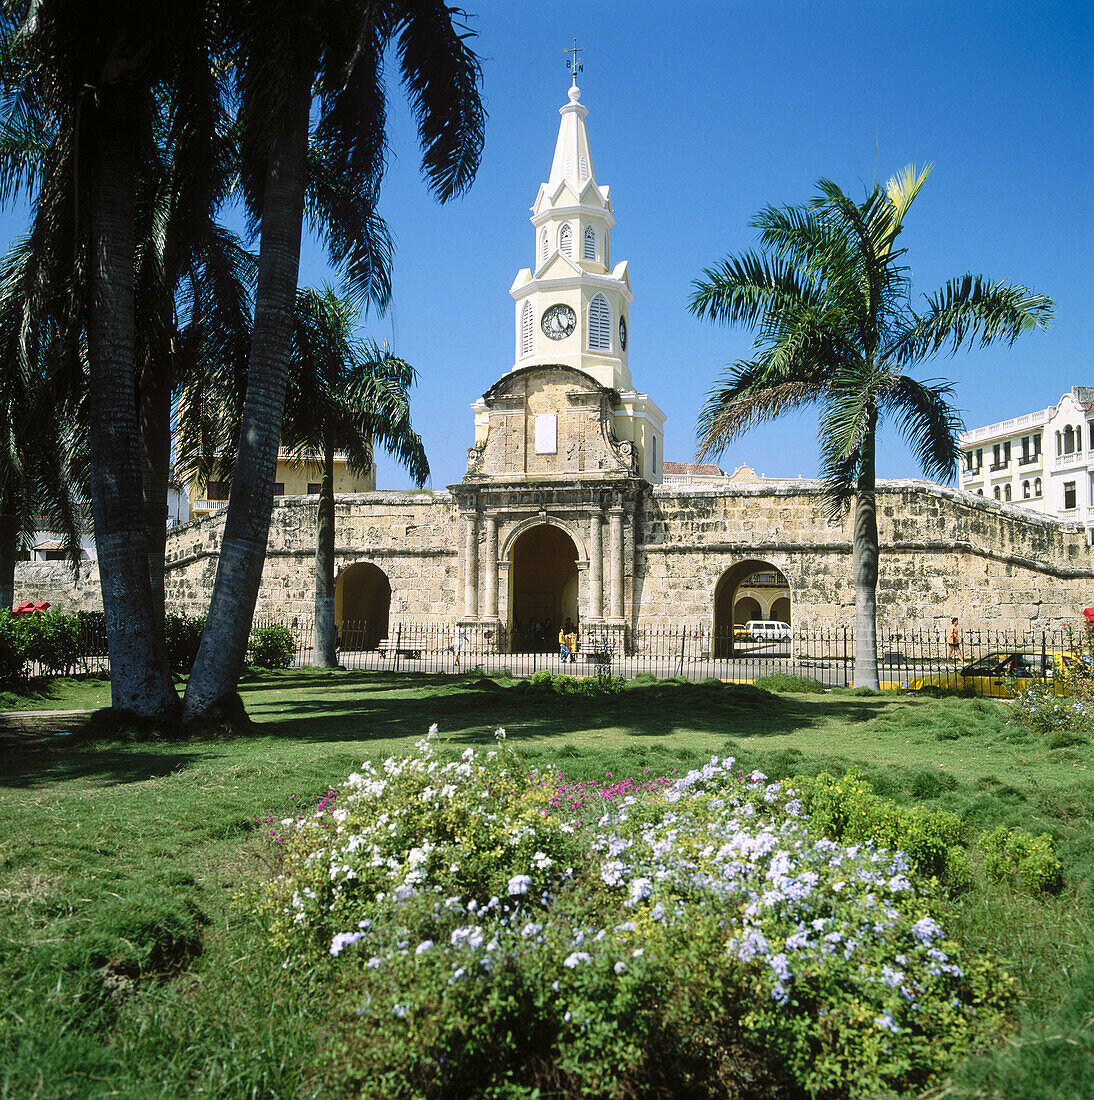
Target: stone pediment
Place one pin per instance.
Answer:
(548, 422)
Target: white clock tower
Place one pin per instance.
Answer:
(573, 307)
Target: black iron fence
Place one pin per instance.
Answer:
(983, 661)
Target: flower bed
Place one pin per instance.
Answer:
(490, 931)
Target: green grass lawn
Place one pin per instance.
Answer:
(128, 970)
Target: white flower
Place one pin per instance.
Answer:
(620, 967)
(542, 861)
(399, 1010)
(343, 940)
(423, 947)
(519, 884)
(577, 957)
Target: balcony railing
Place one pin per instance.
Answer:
(1065, 462)
(1029, 460)
(209, 505)
(1005, 427)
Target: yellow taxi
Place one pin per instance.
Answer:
(997, 674)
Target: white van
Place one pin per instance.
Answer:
(768, 630)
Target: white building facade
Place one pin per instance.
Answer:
(1043, 460)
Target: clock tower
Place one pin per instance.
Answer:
(573, 305)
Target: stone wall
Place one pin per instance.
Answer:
(409, 535)
(943, 554)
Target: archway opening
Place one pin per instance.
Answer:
(362, 605)
(543, 592)
(751, 589)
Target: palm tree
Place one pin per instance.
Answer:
(285, 52)
(345, 395)
(43, 444)
(94, 75)
(831, 305)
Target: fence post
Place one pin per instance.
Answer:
(846, 678)
(683, 642)
(398, 639)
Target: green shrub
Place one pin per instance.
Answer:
(182, 634)
(699, 939)
(1023, 859)
(1044, 708)
(785, 681)
(14, 663)
(272, 647)
(847, 809)
(575, 685)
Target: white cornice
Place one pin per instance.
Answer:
(600, 282)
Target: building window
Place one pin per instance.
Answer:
(543, 246)
(589, 251)
(1036, 486)
(569, 173)
(997, 492)
(584, 167)
(1069, 492)
(566, 240)
(1025, 490)
(314, 487)
(1036, 445)
(1069, 440)
(600, 324)
(526, 329)
(979, 492)
(218, 490)
(653, 454)
(279, 488)
(1006, 491)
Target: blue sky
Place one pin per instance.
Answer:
(702, 113)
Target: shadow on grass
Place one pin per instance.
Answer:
(351, 707)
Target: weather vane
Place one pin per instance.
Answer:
(573, 63)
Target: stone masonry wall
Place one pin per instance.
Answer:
(943, 554)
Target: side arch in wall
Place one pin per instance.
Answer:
(362, 605)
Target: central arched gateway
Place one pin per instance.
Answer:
(362, 604)
(750, 589)
(542, 586)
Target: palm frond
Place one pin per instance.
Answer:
(970, 309)
(926, 418)
(742, 400)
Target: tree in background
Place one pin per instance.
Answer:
(830, 302)
(347, 395)
(43, 440)
(287, 55)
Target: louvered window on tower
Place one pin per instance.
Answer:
(600, 324)
(584, 168)
(566, 240)
(590, 243)
(543, 246)
(526, 329)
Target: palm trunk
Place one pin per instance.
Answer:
(140, 679)
(9, 537)
(247, 524)
(156, 473)
(864, 553)
(325, 632)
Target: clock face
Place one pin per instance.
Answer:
(558, 322)
(622, 334)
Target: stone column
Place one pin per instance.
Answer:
(615, 552)
(490, 569)
(471, 566)
(596, 566)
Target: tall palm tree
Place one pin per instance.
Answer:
(830, 302)
(345, 395)
(95, 75)
(285, 51)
